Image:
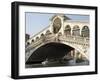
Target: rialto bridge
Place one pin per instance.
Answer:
(63, 37)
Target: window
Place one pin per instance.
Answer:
(32, 40)
(85, 31)
(76, 30)
(47, 32)
(37, 38)
(56, 25)
(67, 30)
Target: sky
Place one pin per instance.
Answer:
(35, 22)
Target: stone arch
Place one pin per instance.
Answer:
(67, 30)
(85, 31)
(78, 48)
(50, 52)
(37, 38)
(42, 35)
(48, 32)
(56, 25)
(76, 31)
(70, 45)
(32, 40)
(28, 43)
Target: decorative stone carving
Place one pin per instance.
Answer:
(56, 25)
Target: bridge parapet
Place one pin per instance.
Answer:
(45, 39)
(53, 38)
(75, 40)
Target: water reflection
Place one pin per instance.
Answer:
(71, 62)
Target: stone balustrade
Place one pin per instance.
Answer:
(53, 38)
(75, 40)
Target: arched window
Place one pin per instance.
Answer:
(85, 31)
(42, 35)
(32, 40)
(47, 32)
(56, 25)
(37, 38)
(76, 31)
(28, 43)
(67, 30)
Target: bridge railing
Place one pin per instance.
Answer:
(50, 38)
(45, 39)
(34, 44)
(54, 38)
(75, 39)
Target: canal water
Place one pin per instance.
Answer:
(71, 62)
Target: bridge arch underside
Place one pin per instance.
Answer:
(49, 51)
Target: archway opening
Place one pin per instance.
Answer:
(49, 51)
(76, 31)
(56, 25)
(37, 38)
(67, 30)
(85, 31)
(47, 32)
(42, 35)
(55, 54)
(28, 43)
(32, 40)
